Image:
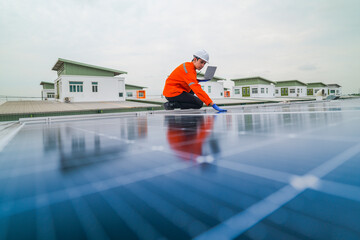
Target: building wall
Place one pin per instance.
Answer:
(334, 91)
(216, 89)
(108, 88)
(48, 94)
(270, 92)
(297, 91)
(316, 89)
(133, 93)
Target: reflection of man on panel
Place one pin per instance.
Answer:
(187, 135)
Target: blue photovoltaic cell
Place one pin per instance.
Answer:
(262, 172)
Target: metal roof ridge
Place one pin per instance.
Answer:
(55, 67)
(291, 81)
(132, 85)
(237, 79)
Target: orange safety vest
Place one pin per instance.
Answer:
(183, 79)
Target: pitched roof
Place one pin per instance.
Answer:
(61, 61)
(290, 81)
(334, 85)
(135, 86)
(316, 84)
(252, 78)
(43, 83)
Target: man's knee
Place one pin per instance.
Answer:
(199, 105)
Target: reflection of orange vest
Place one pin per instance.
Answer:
(183, 79)
(189, 145)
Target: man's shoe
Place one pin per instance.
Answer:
(168, 106)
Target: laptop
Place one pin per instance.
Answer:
(209, 74)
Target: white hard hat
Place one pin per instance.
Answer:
(202, 54)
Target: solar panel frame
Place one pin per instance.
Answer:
(244, 174)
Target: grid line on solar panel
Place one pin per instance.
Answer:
(344, 214)
(164, 211)
(186, 224)
(261, 113)
(339, 189)
(13, 207)
(188, 201)
(302, 216)
(278, 139)
(245, 183)
(257, 212)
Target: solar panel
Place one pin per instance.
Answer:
(283, 171)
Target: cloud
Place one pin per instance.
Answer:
(148, 39)
(308, 67)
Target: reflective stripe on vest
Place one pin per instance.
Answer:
(185, 68)
(191, 83)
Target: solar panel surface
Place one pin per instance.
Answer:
(266, 172)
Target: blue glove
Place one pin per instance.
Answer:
(218, 109)
(203, 80)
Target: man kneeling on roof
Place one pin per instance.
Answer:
(182, 84)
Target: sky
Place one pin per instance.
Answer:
(309, 41)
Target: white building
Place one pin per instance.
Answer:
(253, 87)
(80, 82)
(290, 88)
(134, 91)
(48, 92)
(214, 87)
(334, 89)
(313, 88)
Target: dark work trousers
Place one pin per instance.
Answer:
(186, 101)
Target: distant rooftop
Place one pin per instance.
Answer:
(69, 67)
(252, 80)
(44, 83)
(290, 83)
(334, 85)
(316, 84)
(134, 86)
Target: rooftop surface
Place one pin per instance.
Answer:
(13, 110)
(16, 107)
(256, 172)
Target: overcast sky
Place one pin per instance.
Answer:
(311, 41)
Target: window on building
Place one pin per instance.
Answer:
(254, 90)
(337, 91)
(50, 95)
(94, 86)
(262, 90)
(276, 91)
(332, 91)
(121, 94)
(316, 90)
(292, 90)
(221, 94)
(129, 94)
(76, 86)
(237, 91)
(141, 94)
(209, 89)
(298, 90)
(267, 90)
